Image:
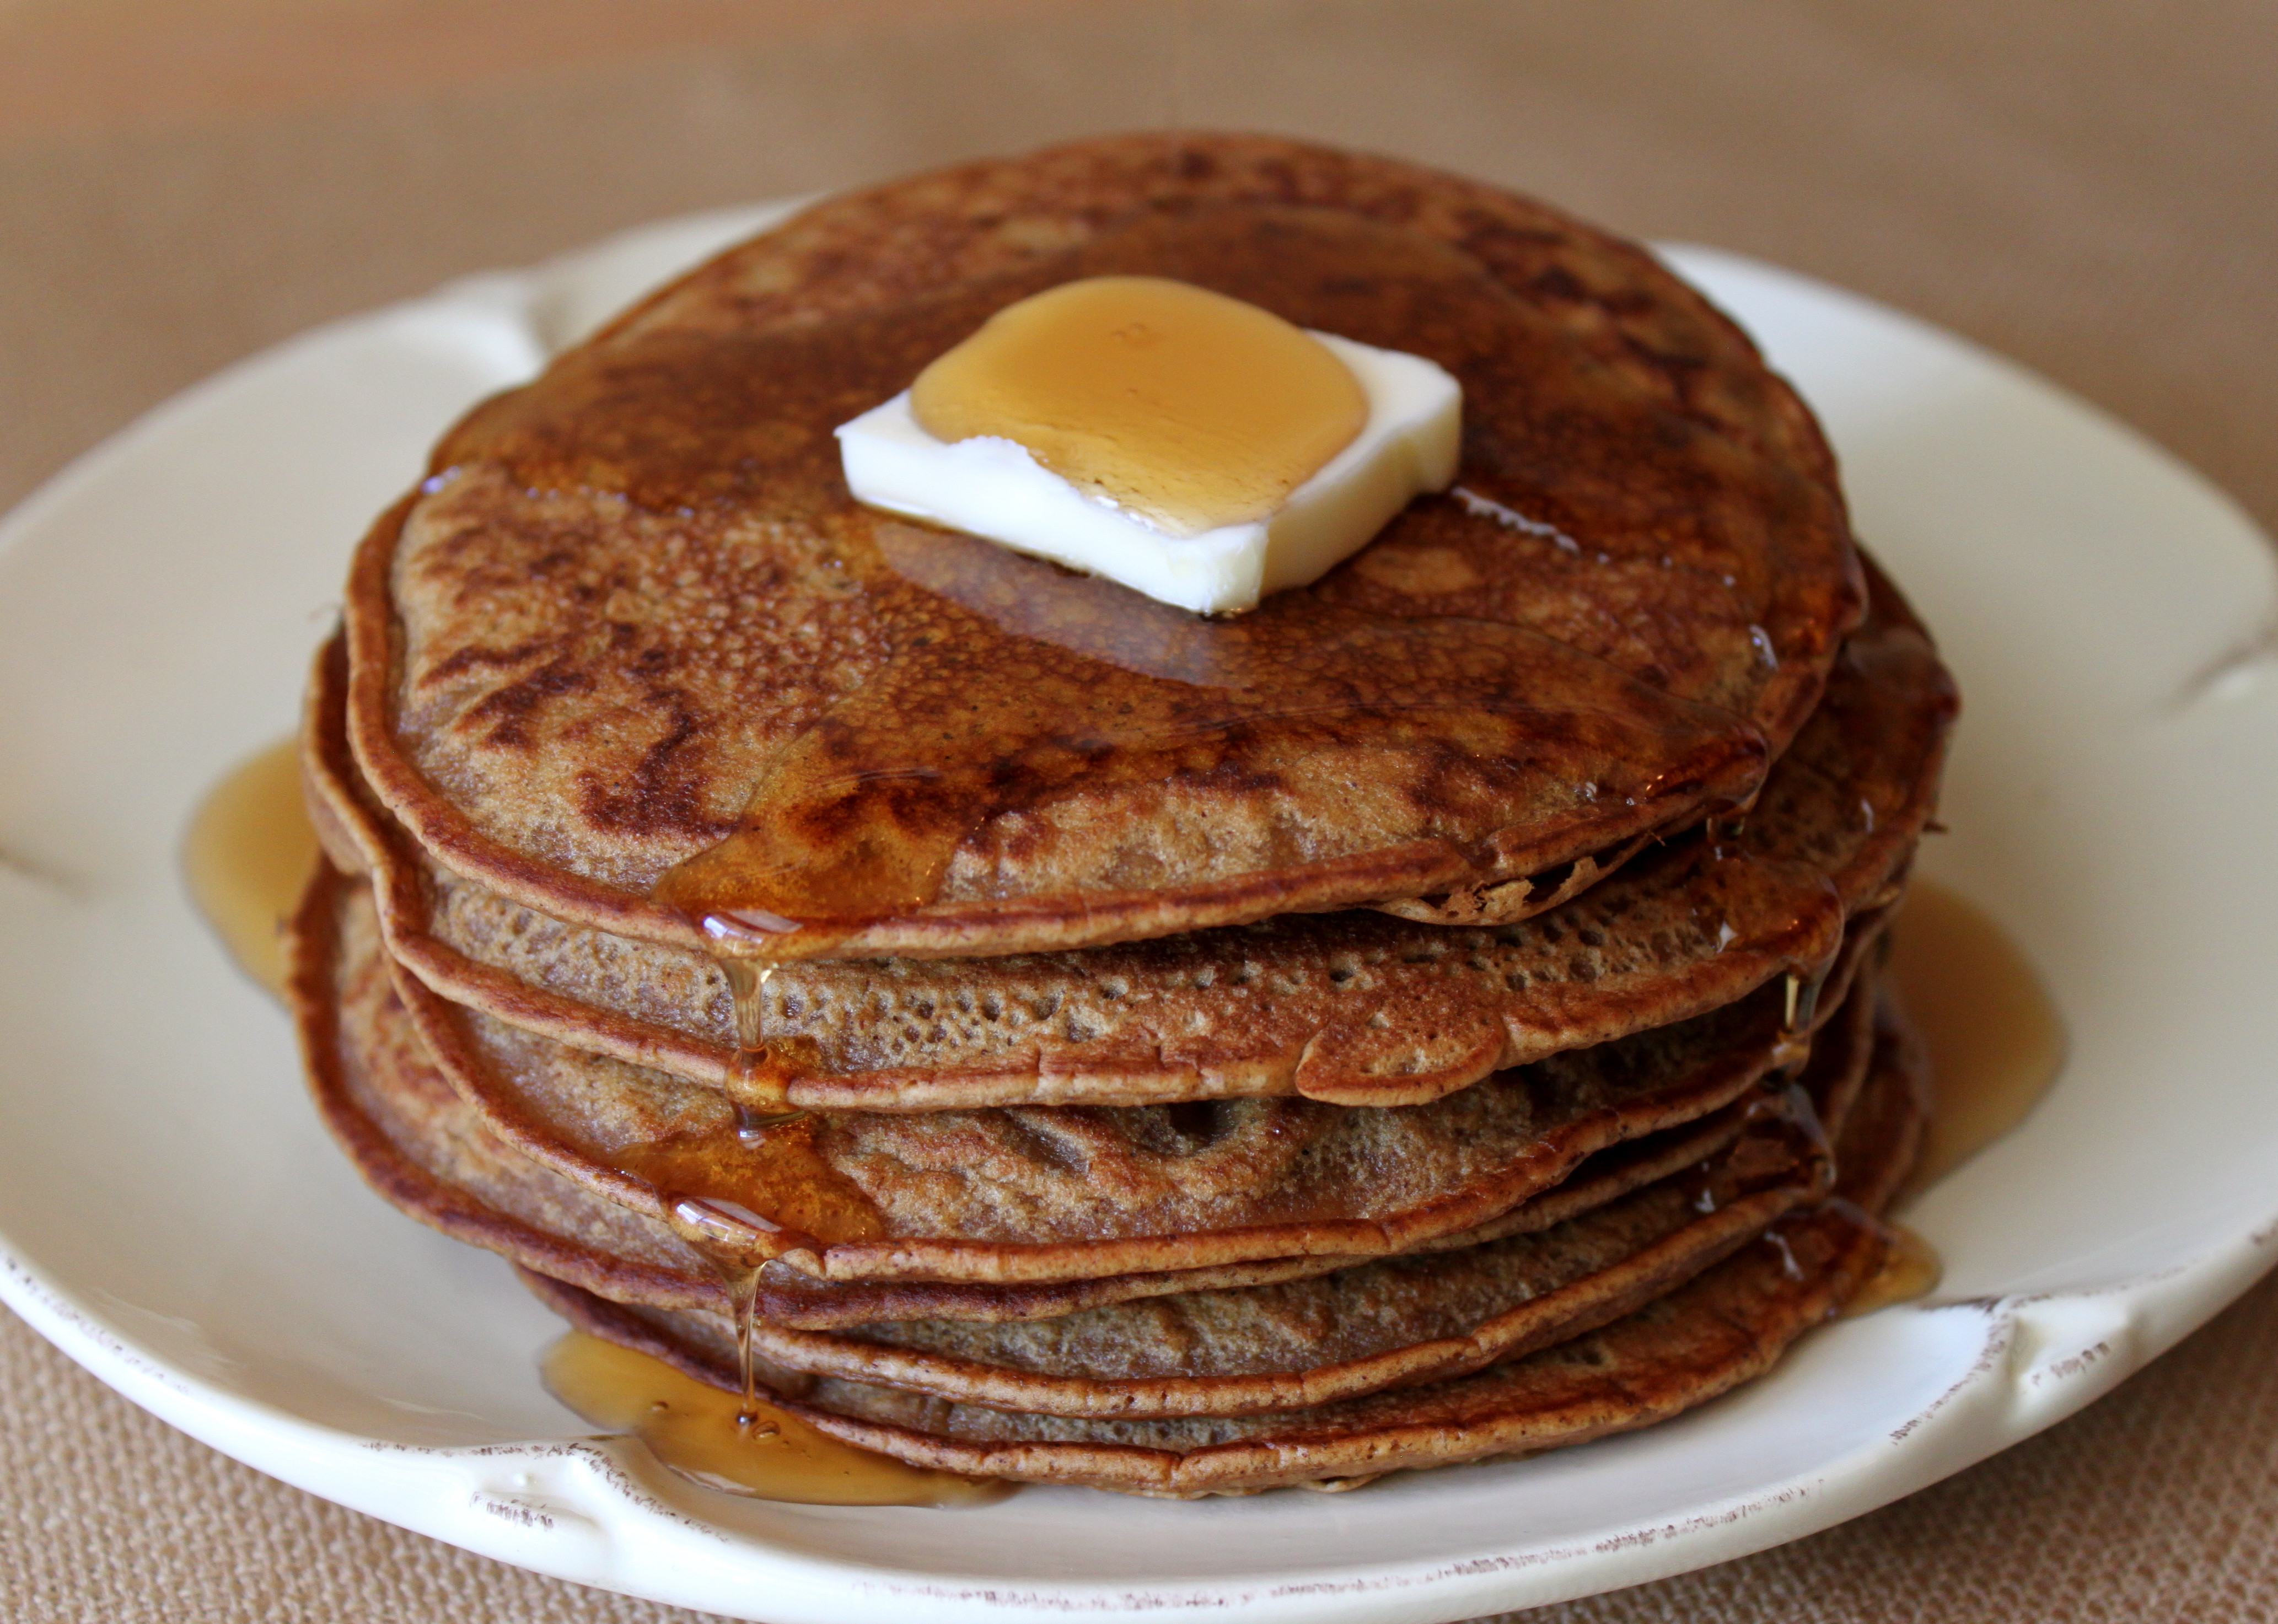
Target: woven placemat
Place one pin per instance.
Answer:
(2157, 1503)
(2081, 184)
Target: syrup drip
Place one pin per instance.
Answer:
(1791, 1110)
(754, 1193)
(745, 1284)
(761, 1075)
(1783, 1139)
(743, 1198)
(1996, 1041)
(1910, 1268)
(763, 1188)
(248, 856)
(743, 1447)
(1800, 1004)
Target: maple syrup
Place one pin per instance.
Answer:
(988, 685)
(777, 1169)
(247, 858)
(763, 1067)
(1910, 1268)
(745, 1446)
(1186, 407)
(745, 1197)
(1800, 1005)
(1996, 1042)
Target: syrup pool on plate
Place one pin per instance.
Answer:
(709, 1435)
(1996, 1041)
(1910, 1268)
(1995, 1045)
(248, 856)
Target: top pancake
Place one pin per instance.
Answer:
(634, 657)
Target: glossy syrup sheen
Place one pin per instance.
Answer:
(248, 856)
(750, 1449)
(1187, 408)
(773, 1169)
(1996, 1046)
(1995, 1039)
(743, 1198)
(765, 1064)
(1371, 712)
(1910, 1268)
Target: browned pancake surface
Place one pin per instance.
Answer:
(1354, 1008)
(1725, 1327)
(1045, 1193)
(1423, 1317)
(428, 1151)
(636, 612)
(1050, 1194)
(1217, 1351)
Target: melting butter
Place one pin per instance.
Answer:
(1237, 422)
(753, 1449)
(1187, 407)
(247, 858)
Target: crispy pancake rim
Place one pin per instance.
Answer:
(1486, 1196)
(341, 1076)
(1585, 1271)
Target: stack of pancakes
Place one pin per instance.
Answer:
(1431, 1016)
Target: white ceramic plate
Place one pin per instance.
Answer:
(174, 1218)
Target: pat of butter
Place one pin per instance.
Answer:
(995, 486)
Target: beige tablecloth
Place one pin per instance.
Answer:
(2091, 187)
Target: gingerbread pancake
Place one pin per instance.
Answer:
(1724, 1326)
(1037, 1193)
(633, 658)
(1213, 1350)
(431, 1153)
(1430, 1016)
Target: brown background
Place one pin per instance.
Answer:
(2091, 187)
